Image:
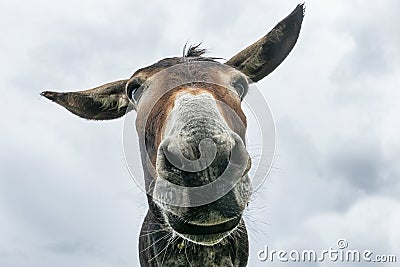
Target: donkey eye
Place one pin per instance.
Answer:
(241, 87)
(134, 90)
(240, 90)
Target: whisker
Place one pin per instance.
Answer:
(158, 240)
(160, 251)
(147, 233)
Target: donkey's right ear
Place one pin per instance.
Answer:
(105, 102)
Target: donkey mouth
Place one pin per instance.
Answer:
(189, 228)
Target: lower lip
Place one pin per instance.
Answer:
(193, 229)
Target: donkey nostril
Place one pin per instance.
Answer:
(185, 159)
(172, 156)
(239, 155)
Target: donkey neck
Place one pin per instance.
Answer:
(158, 246)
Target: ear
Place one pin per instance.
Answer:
(106, 102)
(261, 58)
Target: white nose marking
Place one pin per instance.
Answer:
(188, 106)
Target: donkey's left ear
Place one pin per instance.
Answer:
(106, 102)
(261, 58)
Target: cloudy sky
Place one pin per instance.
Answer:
(66, 197)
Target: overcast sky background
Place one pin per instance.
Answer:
(66, 197)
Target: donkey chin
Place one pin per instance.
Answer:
(198, 149)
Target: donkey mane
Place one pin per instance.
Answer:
(194, 51)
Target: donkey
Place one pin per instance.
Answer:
(191, 129)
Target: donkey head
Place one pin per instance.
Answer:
(191, 130)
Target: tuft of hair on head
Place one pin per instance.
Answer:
(193, 51)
